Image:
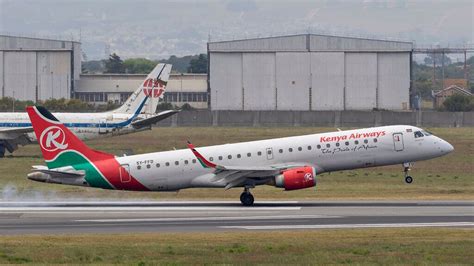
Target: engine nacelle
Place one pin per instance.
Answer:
(297, 178)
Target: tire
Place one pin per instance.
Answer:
(408, 179)
(246, 199)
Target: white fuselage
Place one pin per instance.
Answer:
(340, 150)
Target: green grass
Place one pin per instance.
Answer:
(448, 177)
(364, 246)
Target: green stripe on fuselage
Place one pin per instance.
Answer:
(78, 162)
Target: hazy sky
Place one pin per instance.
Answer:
(157, 29)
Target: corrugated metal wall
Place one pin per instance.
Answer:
(226, 80)
(327, 81)
(361, 81)
(259, 81)
(393, 81)
(292, 81)
(32, 75)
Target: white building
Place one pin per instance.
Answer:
(181, 88)
(38, 69)
(309, 72)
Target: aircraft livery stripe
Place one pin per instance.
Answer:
(103, 125)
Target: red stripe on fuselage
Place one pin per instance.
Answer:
(110, 168)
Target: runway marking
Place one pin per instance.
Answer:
(336, 226)
(222, 218)
(174, 208)
(126, 203)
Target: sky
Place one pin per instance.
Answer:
(158, 29)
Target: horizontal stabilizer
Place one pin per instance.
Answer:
(153, 119)
(65, 172)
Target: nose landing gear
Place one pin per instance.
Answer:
(246, 197)
(406, 168)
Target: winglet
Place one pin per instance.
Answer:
(204, 162)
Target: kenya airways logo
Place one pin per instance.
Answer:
(153, 87)
(53, 139)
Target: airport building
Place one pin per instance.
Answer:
(309, 72)
(38, 69)
(181, 88)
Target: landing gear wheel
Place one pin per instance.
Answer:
(406, 168)
(246, 198)
(408, 179)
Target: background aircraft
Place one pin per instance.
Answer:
(290, 163)
(16, 129)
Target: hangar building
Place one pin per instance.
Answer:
(309, 72)
(38, 69)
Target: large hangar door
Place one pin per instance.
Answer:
(327, 80)
(361, 81)
(259, 81)
(20, 75)
(394, 81)
(226, 81)
(54, 75)
(292, 81)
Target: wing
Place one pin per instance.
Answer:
(153, 119)
(10, 138)
(234, 176)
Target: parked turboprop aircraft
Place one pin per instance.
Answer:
(16, 129)
(290, 163)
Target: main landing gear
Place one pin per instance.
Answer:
(246, 197)
(406, 168)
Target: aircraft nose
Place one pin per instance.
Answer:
(447, 147)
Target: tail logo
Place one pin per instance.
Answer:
(153, 87)
(53, 139)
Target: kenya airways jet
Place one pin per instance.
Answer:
(136, 114)
(290, 163)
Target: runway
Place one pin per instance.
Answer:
(209, 216)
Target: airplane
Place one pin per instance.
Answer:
(290, 163)
(136, 114)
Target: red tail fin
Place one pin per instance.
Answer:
(54, 138)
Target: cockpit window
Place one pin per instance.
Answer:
(418, 134)
(426, 133)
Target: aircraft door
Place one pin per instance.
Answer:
(125, 173)
(398, 141)
(103, 126)
(269, 153)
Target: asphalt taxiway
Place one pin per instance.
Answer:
(202, 216)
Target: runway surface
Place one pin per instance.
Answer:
(201, 216)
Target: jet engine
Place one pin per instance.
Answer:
(296, 178)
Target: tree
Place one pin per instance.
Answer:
(459, 103)
(438, 59)
(114, 64)
(198, 65)
(139, 65)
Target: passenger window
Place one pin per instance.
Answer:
(337, 144)
(157, 165)
(300, 149)
(309, 148)
(176, 163)
(194, 160)
(347, 143)
(211, 159)
(167, 164)
(356, 142)
(319, 146)
(290, 149)
(375, 140)
(269, 152)
(249, 154)
(186, 162)
(366, 141)
(238, 156)
(229, 156)
(220, 158)
(259, 153)
(139, 167)
(418, 134)
(328, 145)
(280, 150)
(148, 166)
